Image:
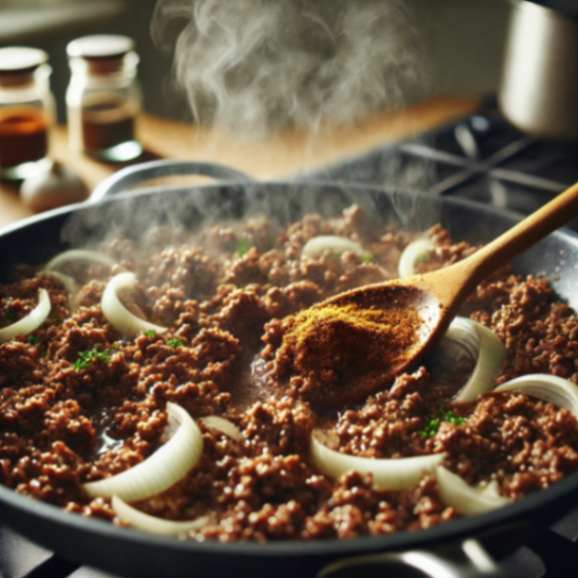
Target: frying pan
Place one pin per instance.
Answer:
(134, 554)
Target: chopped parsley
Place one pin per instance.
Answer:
(174, 342)
(32, 339)
(86, 358)
(367, 257)
(453, 418)
(433, 423)
(243, 246)
(150, 333)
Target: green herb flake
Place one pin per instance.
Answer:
(433, 423)
(243, 246)
(87, 358)
(150, 333)
(173, 342)
(33, 339)
(431, 428)
(367, 258)
(453, 418)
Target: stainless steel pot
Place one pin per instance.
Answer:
(539, 88)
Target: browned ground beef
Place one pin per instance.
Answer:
(223, 296)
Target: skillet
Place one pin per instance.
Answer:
(134, 554)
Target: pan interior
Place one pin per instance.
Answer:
(133, 214)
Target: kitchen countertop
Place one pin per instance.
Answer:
(286, 154)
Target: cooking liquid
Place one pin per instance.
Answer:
(107, 128)
(23, 139)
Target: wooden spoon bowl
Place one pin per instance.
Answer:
(435, 297)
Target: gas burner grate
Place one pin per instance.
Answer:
(481, 158)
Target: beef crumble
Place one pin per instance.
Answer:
(79, 403)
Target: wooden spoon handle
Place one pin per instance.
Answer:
(501, 250)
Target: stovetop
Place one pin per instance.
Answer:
(481, 158)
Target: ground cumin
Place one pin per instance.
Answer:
(337, 353)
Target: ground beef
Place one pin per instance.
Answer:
(79, 402)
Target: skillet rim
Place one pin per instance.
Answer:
(445, 532)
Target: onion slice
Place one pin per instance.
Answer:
(117, 314)
(66, 280)
(69, 284)
(489, 351)
(417, 251)
(388, 474)
(73, 255)
(223, 425)
(30, 322)
(550, 388)
(468, 500)
(331, 244)
(147, 523)
(162, 469)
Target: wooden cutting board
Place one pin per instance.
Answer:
(287, 154)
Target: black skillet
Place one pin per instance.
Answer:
(135, 554)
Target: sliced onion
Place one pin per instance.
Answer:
(388, 474)
(490, 490)
(68, 282)
(223, 425)
(162, 469)
(468, 500)
(117, 314)
(30, 322)
(488, 350)
(147, 523)
(417, 251)
(551, 388)
(331, 244)
(78, 255)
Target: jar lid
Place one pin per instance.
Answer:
(15, 59)
(99, 46)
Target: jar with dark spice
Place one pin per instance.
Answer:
(26, 111)
(103, 97)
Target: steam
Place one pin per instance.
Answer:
(257, 65)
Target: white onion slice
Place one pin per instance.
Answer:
(488, 350)
(69, 284)
(468, 500)
(79, 255)
(551, 388)
(30, 322)
(223, 425)
(147, 523)
(388, 474)
(117, 314)
(66, 280)
(331, 244)
(417, 251)
(162, 469)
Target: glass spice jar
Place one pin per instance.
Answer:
(26, 111)
(103, 98)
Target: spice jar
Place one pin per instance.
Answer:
(26, 111)
(103, 97)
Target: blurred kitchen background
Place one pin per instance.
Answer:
(464, 42)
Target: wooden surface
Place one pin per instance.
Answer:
(287, 154)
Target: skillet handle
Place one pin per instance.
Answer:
(133, 175)
(470, 560)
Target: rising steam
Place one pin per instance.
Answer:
(256, 65)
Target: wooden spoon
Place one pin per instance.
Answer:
(436, 296)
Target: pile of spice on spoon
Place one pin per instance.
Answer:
(333, 353)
